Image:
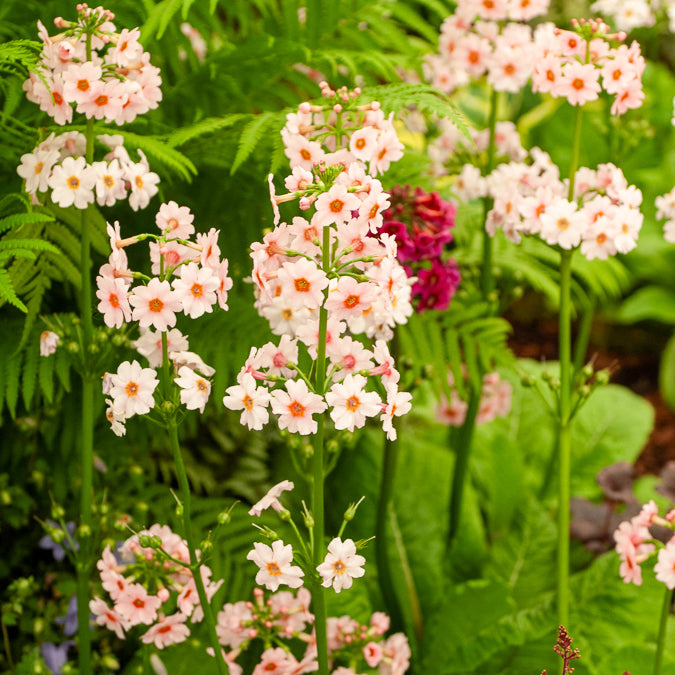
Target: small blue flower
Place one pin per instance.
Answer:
(57, 550)
(69, 621)
(54, 656)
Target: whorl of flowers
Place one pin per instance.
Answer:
(89, 65)
(485, 37)
(529, 198)
(329, 262)
(422, 224)
(636, 544)
(58, 164)
(665, 209)
(284, 620)
(629, 14)
(149, 582)
(495, 401)
(341, 133)
(190, 279)
(579, 64)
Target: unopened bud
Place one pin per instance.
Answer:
(602, 377)
(58, 512)
(224, 518)
(84, 531)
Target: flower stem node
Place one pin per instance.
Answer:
(602, 377)
(58, 512)
(73, 347)
(285, 514)
(168, 407)
(206, 546)
(179, 510)
(93, 348)
(224, 517)
(587, 371)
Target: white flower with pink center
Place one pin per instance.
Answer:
(104, 616)
(114, 297)
(335, 206)
(149, 344)
(303, 283)
(385, 364)
(133, 387)
(351, 404)
(295, 407)
(348, 356)
(275, 565)
(271, 499)
(171, 252)
(274, 358)
(195, 390)
(300, 151)
(350, 298)
(341, 565)
(275, 661)
(398, 403)
(196, 289)
(72, 183)
(372, 653)
(137, 606)
(168, 631)
(155, 304)
(251, 400)
(233, 624)
(175, 221)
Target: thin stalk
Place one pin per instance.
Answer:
(663, 628)
(318, 529)
(195, 565)
(459, 473)
(86, 426)
(583, 336)
(8, 650)
(564, 438)
(486, 280)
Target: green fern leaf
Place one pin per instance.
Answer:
(159, 19)
(12, 375)
(252, 135)
(46, 377)
(18, 219)
(412, 20)
(29, 375)
(27, 244)
(7, 293)
(205, 127)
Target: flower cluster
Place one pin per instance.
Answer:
(317, 134)
(191, 279)
(486, 37)
(422, 222)
(630, 14)
(58, 164)
(285, 618)
(495, 401)
(149, 582)
(529, 198)
(665, 209)
(105, 74)
(636, 544)
(578, 64)
(328, 264)
(340, 567)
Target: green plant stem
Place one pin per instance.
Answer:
(663, 628)
(460, 470)
(318, 475)
(486, 279)
(184, 486)
(564, 436)
(583, 335)
(8, 650)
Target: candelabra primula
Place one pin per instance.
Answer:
(637, 13)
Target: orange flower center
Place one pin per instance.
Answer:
(197, 290)
(101, 100)
(83, 85)
(339, 567)
(360, 143)
(114, 300)
(302, 285)
(351, 301)
(336, 205)
(108, 181)
(353, 403)
(248, 402)
(131, 389)
(297, 409)
(305, 154)
(287, 314)
(273, 569)
(563, 223)
(155, 305)
(58, 99)
(578, 83)
(139, 182)
(73, 182)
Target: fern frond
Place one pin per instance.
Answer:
(18, 219)
(252, 135)
(158, 19)
(205, 127)
(7, 292)
(22, 53)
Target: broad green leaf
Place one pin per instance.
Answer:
(656, 303)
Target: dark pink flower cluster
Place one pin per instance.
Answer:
(422, 222)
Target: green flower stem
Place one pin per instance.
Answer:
(564, 437)
(583, 335)
(663, 628)
(184, 485)
(318, 529)
(486, 279)
(459, 474)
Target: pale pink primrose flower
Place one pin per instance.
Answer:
(350, 298)
(385, 368)
(105, 100)
(233, 624)
(363, 143)
(351, 403)
(79, 79)
(271, 499)
(113, 582)
(191, 360)
(133, 387)
(210, 256)
(562, 224)
(275, 565)
(630, 569)
(149, 344)
(295, 407)
(665, 567)
(196, 289)
(579, 83)
(275, 661)
(396, 658)
(155, 304)
(127, 50)
(348, 356)
(628, 99)
(49, 341)
(274, 358)
(175, 221)
(168, 631)
(300, 151)
(335, 206)
(251, 400)
(114, 297)
(372, 653)
(72, 183)
(284, 317)
(341, 565)
(110, 185)
(35, 169)
(303, 283)
(143, 184)
(104, 616)
(195, 390)
(299, 179)
(273, 201)
(225, 283)
(389, 149)
(398, 403)
(136, 606)
(171, 252)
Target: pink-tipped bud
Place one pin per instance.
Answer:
(375, 105)
(670, 516)
(268, 624)
(249, 604)
(337, 108)
(163, 594)
(305, 203)
(357, 91)
(305, 107)
(258, 592)
(252, 633)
